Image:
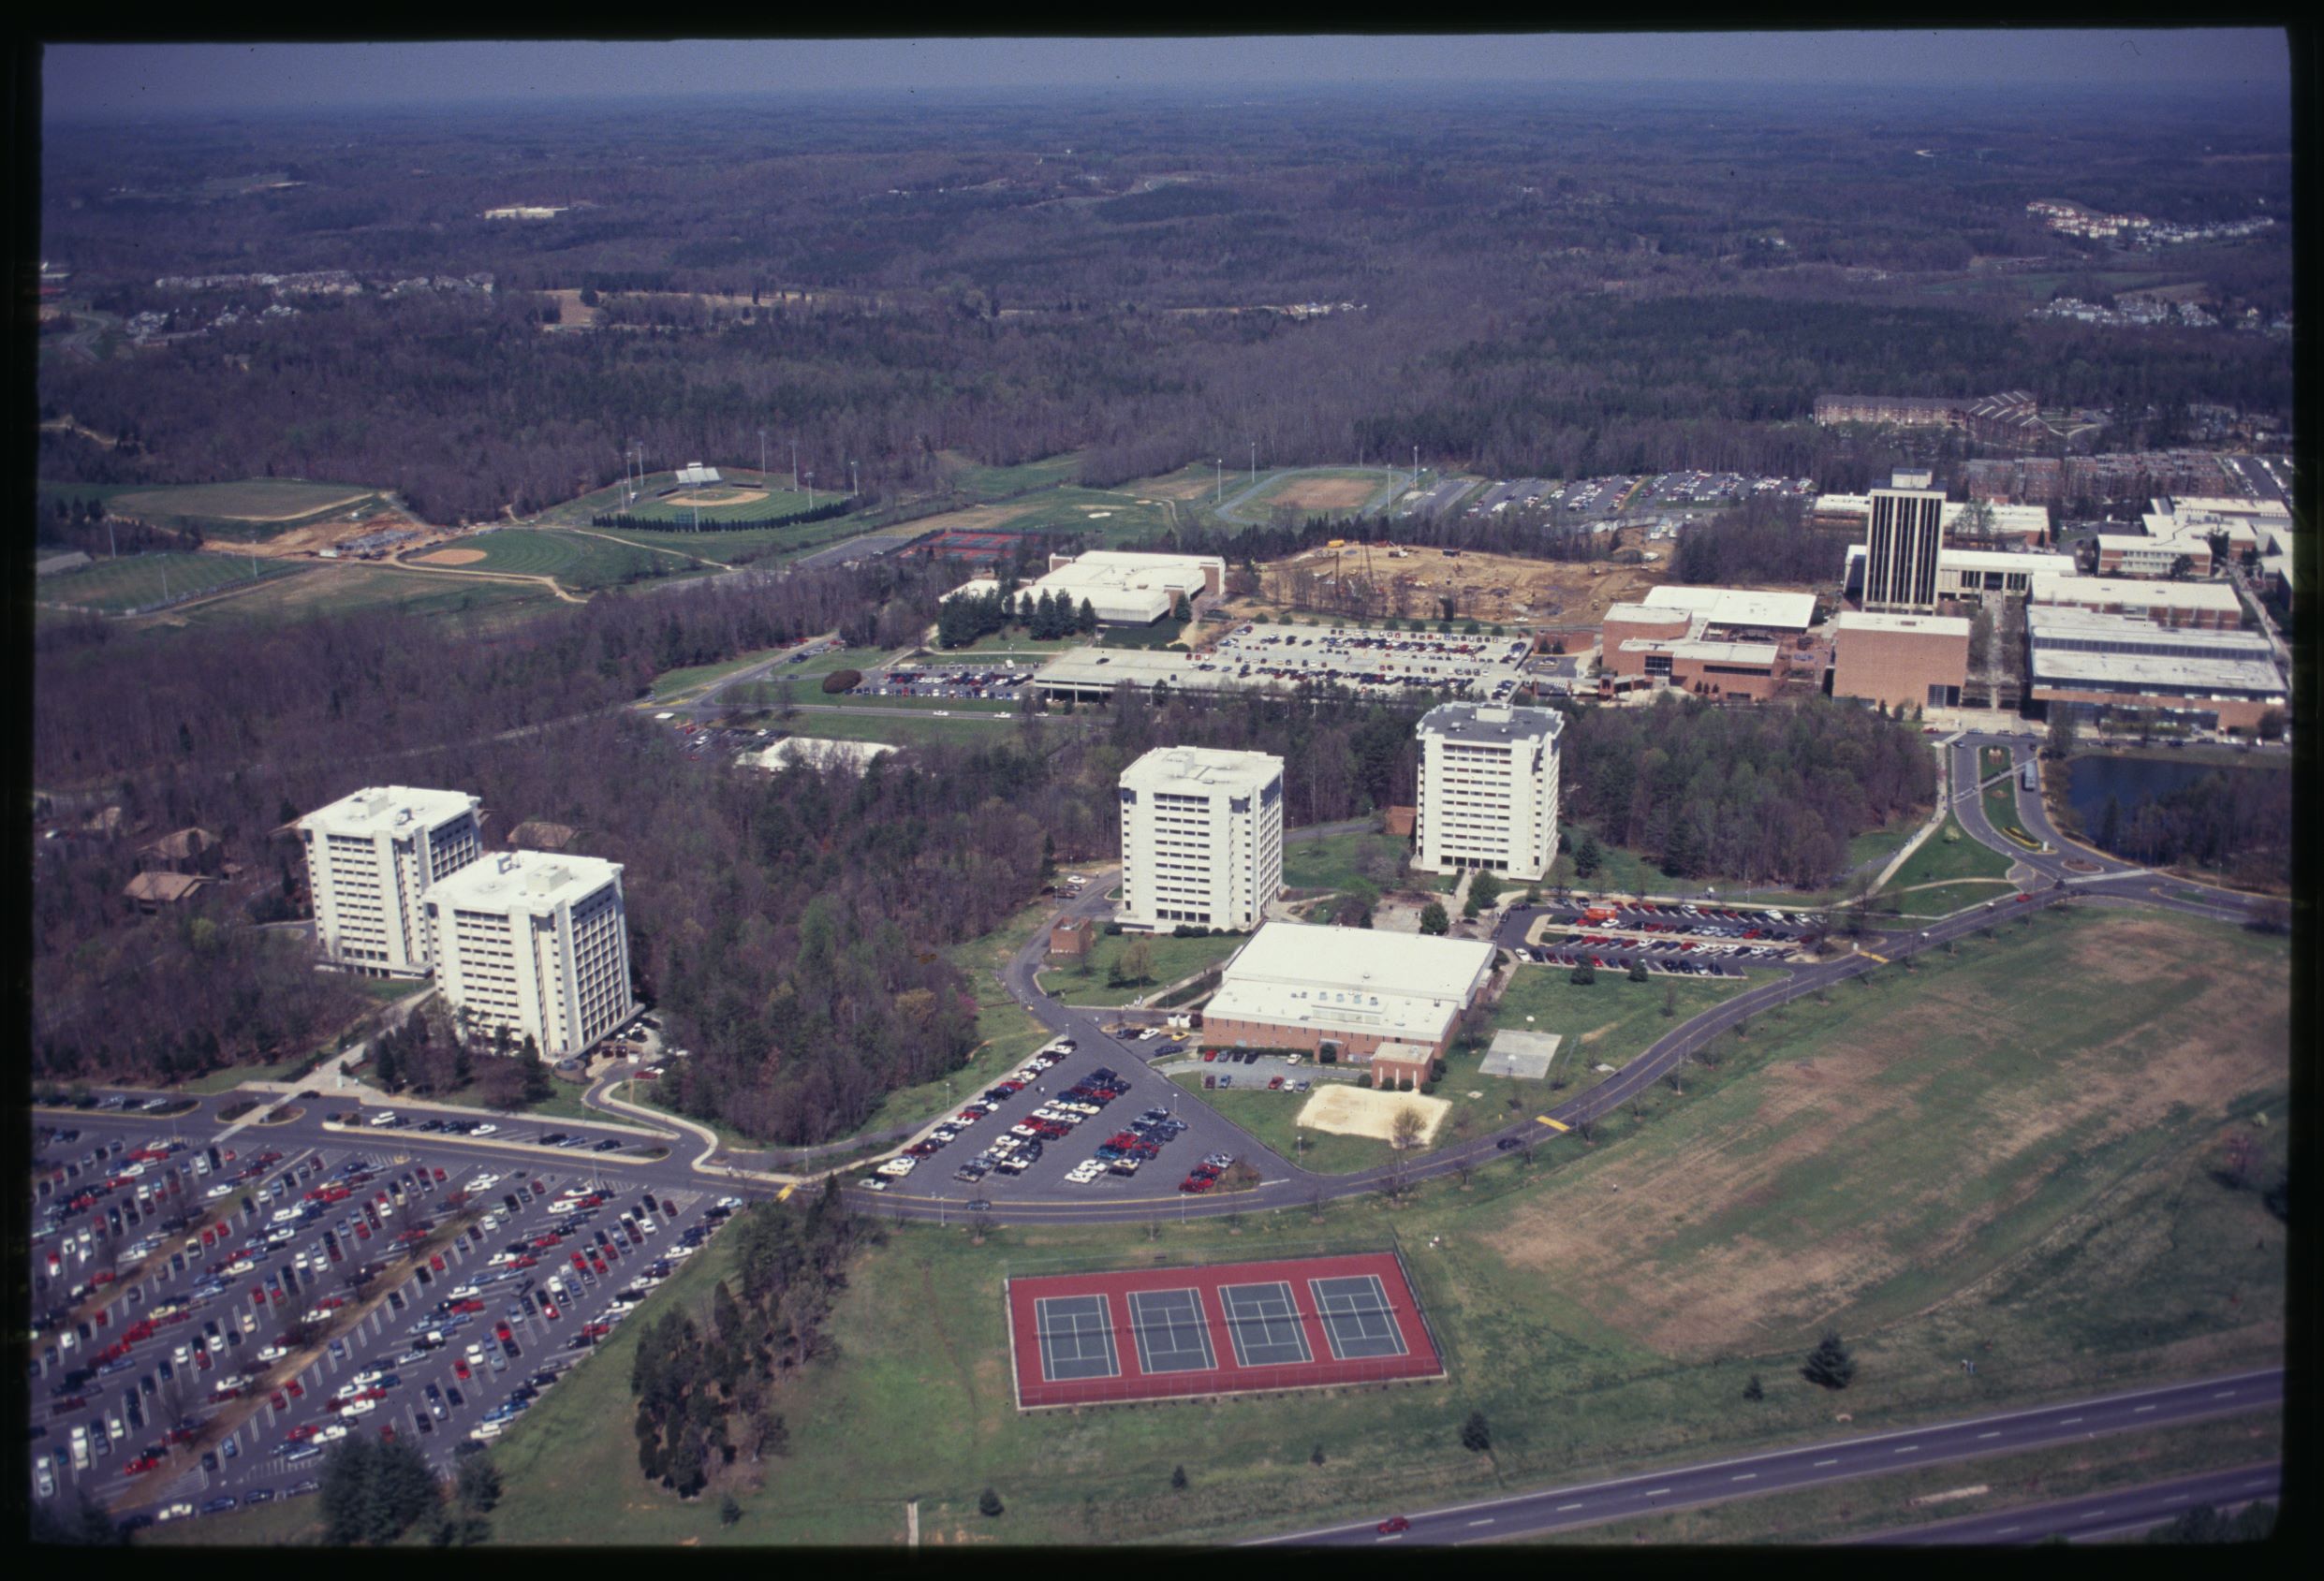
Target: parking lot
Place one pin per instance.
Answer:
(297, 1299)
(1676, 939)
(1000, 681)
(1068, 1122)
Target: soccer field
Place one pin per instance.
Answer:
(271, 501)
(115, 587)
(579, 561)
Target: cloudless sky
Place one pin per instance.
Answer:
(106, 80)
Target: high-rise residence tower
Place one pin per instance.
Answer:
(1201, 837)
(370, 858)
(535, 943)
(1488, 789)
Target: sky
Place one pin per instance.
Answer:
(106, 80)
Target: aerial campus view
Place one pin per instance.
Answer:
(1025, 792)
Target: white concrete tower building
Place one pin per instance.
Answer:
(1488, 789)
(370, 856)
(1201, 837)
(535, 943)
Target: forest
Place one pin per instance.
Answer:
(1555, 285)
(1766, 795)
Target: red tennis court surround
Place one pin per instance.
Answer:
(1229, 1328)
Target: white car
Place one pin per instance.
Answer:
(485, 1130)
(272, 1353)
(332, 1432)
(385, 1116)
(360, 1407)
(366, 1379)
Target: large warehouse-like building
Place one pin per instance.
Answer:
(1201, 837)
(2092, 664)
(1717, 641)
(1124, 589)
(537, 943)
(370, 856)
(1902, 661)
(1345, 989)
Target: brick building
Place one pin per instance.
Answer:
(1901, 660)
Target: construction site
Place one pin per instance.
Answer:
(1390, 582)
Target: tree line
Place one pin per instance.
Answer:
(622, 520)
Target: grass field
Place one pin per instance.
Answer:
(1340, 861)
(779, 499)
(2024, 1180)
(116, 586)
(677, 683)
(340, 589)
(1626, 873)
(255, 507)
(1172, 959)
(1609, 1021)
(1949, 854)
(1322, 491)
(1269, 1116)
(1945, 898)
(579, 561)
(982, 482)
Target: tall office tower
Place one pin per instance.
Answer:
(1907, 527)
(1488, 789)
(1201, 837)
(538, 943)
(370, 858)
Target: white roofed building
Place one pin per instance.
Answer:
(1202, 839)
(695, 474)
(1297, 985)
(538, 943)
(370, 856)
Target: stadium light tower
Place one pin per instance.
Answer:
(762, 457)
(1255, 461)
(855, 485)
(811, 488)
(794, 466)
(1219, 463)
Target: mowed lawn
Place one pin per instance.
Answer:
(339, 589)
(579, 561)
(2004, 1154)
(980, 481)
(258, 501)
(1168, 959)
(116, 586)
(1946, 855)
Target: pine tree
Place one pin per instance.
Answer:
(1829, 1365)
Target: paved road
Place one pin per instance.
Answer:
(1840, 1460)
(2121, 1512)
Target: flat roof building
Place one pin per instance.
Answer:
(370, 856)
(1124, 589)
(816, 751)
(1300, 985)
(1202, 839)
(1262, 655)
(2171, 604)
(2025, 524)
(1901, 661)
(1713, 641)
(537, 943)
(2099, 666)
(1488, 789)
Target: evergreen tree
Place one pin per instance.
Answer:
(1476, 1436)
(1830, 1364)
(1434, 918)
(1088, 622)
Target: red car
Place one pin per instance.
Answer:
(471, 1305)
(1394, 1524)
(578, 1260)
(501, 1330)
(280, 1403)
(598, 1262)
(303, 1432)
(527, 1261)
(295, 1389)
(549, 1309)
(459, 1368)
(143, 1463)
(436, 1260)
(543, 1243)
(2025, 896)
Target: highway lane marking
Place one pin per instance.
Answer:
(1906, 1450)
(2067, 1421)
(2176, 1499)
(1563, 1508)
(2225, 1394)
(1657, 1492)
(1747, 1476)
(1487, 1521)
(2137, 1410)
(2005, 1531)
(1994, 1434)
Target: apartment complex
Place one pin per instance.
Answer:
(1488, 789)
(1201, 837)
(535, 943)
(1905, 532)
(371, 857)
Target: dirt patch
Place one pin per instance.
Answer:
(1411, 583)
(572, 313)
(1178, 489)
(1362, 1111)
(1325, 493)
(300, 542)
(1879, 1161)
(717, 497)
(453, 557)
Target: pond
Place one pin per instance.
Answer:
(2136, 781)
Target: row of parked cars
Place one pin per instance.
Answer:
(1011, 1153)
(1129, 1148)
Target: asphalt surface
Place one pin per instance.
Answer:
(1840, 1460)
(2118, 1512)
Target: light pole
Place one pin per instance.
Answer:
(855, 485)
(1255, 461)
(794, 466)
(811, 488)
(1219, 461)
(762, 457)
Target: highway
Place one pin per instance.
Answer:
(1830, 1460)
(2121, 1512)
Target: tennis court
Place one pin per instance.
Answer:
(1356, 1319)
(1077, 1338)
(1264, 1325)
(1190, 1333)
(1171, 1335)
